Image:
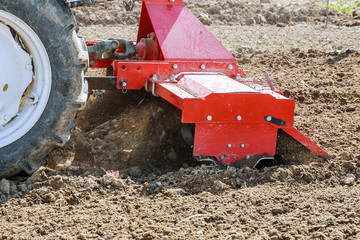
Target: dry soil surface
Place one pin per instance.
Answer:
(127, 172)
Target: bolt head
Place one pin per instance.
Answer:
(203, 66)
(229, 145)
(171, 1)
(209, 118)
(269, 118)
(154, 77)
(238, 77)
(242, 145)
(247, 156)
(175, 66)
(222, 157)
(239, 118)
(230, 67)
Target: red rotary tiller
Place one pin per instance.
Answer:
(175, 57)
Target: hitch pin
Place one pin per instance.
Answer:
(123, 85)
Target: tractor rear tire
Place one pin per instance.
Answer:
(55, 26)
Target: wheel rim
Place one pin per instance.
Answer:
(25, 78)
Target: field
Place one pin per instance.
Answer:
(127, 173)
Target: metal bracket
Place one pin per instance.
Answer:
(153, 90)
(105, 83)
(275, 120)
(146, 86)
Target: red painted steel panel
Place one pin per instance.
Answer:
(252, 107)
(136, 74)
(182, 36)
(298, 136)
(145, 25)
(226, 139)
(227, 102)
(172, 94)
(211, 67)
(204, 84)
(176, 2)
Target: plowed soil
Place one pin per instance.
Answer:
(128, 172)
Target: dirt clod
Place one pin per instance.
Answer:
(5, 186)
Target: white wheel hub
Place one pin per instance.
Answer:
(15, 75)
(25, 78)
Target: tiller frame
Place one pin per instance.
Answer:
(177, 58)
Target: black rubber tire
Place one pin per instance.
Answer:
(54, 23)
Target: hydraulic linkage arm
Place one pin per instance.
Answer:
(177, 58)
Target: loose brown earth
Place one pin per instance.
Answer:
(153, 189)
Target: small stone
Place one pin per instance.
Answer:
(4, 212)
(117, 182)
(23, 188)
(81, 236)
(73, 168)
(220, 186)
(308, 177)
(13, 188)
(349, 180)
(60, 202)
(93, 17)
(90, 183)
(106, 179)
(109, 179)
(350, 175)
(249, 21)
(260, 19)
(204, 18)
(5, 186)
(247, 170)
(172, 156)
